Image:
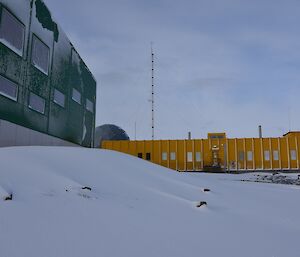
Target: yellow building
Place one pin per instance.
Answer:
(217, 152)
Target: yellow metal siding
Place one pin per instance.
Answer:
(229, 154)
(240, 152)
(249, 149)
(189, 149)
(131, 148)
(206, 153)
(164, 149)
(275, 147)
(180, 154)
(148, 149)
(284, 154)
(124, 147)
(292, 147)
(197, 149)
(156, 151)
(222, 155)
(258, 153)
(265, 150)
(173, 149)
(298, 154)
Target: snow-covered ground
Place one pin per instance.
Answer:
(137, 209)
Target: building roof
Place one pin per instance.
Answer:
(292, 133)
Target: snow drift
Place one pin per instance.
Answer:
(71, 202)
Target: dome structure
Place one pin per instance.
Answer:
(109, 132)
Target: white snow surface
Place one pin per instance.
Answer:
(137, 209)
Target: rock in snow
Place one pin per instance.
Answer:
(137, 209)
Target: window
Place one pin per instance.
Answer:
(8, 88)
(36, 103)
(140, 155)
(293, 155)
(267, 155)
(59, 98)
(164, 156)
(148, 156)
(189, 156)
(89, 105)
(249, 156)
(216, 137)
(12, 32)
(241, 156)
(198, 157)
(172, 156)
(40, 55)
(275, 155)
(76, 96)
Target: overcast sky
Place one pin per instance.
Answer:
(220, 65)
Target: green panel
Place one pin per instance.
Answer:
(66, 71)
(13, 66)
(37, 81)
(88, 93)
(75, 121)
(58, 116)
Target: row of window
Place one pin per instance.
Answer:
(164, 156)
(76, 96)
(12, 34)
(198, 156)
(267, 156)
(217, 137)
(9, 89)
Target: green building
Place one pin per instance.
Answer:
(47, 93)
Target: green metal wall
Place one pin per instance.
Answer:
(67, 70)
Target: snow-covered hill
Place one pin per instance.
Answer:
(136, 209)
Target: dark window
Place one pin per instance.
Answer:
(89, 105)
(8, 88)
(140, 155)
(148, 156)
(36, 103)
(40, 55)
(216, 137)
(76, 96)
(59, 98)
(12, 32)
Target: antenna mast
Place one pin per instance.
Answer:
(152, 91)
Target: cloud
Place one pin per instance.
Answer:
(219, 65)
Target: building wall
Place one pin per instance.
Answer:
(238, 154)
(12, 134)
(66, 71)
